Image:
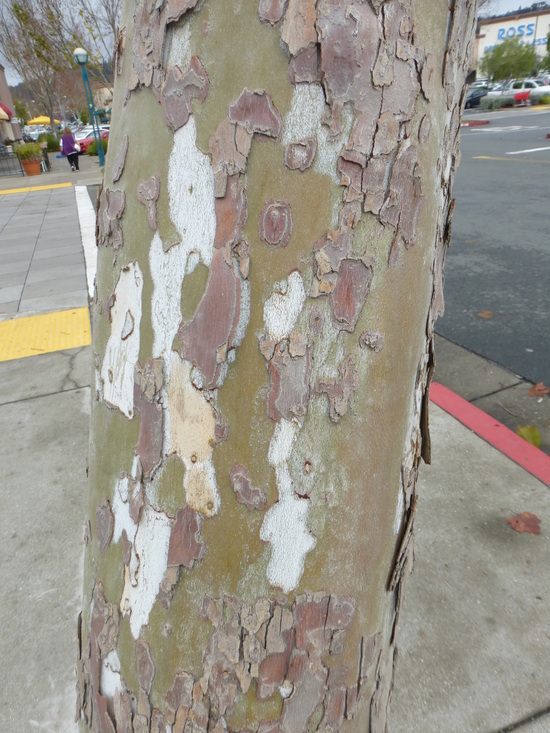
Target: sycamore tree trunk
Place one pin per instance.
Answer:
(272, 229)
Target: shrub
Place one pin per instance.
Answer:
(537, 97)
(29, 151)
(52, 143)
(92, 147)
(497, 102)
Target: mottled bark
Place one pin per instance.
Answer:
(271, 234)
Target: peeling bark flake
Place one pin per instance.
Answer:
(105, 523)
(271, 11)
(148, 191)
(179, 696)
(103, 637)
(241, 483)
(340, 390)
(121, 354)
(186, 547)
(147, 402)
(289, 390)
(120, 160)
(145, 666)
(300, 155)
(275, 224)
(256, 112)
(349, 294)
(123, 712)
(215, 320)
(298, 29)
(179, 89)
(110, 210)
(230, 214)
(305, 66)
(177, 8)
(148, 43)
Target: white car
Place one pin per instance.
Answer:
(519, 85)
(87, 131)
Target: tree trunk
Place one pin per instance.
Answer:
(272, 229)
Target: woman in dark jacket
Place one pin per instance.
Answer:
(68, 148)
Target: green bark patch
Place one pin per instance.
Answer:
(258, 61)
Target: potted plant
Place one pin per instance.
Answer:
(30, 155)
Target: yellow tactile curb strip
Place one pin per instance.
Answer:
(35, 188)
(45, 333)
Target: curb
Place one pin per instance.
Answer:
(493, 432)
(475, 123)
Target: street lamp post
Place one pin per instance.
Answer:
(81, 58)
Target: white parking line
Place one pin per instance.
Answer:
(531, 150)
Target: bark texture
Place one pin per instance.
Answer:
(271, 231)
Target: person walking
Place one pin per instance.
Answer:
(70, 148)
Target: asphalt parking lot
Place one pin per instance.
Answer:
(496, 281)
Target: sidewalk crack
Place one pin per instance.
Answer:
(498, 391)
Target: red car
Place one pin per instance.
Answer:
(87, 141)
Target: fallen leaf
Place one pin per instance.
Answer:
(531, 434)
(485, 314)
(525, 522)
(538, 389)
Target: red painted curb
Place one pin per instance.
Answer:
(475, 123)
(494, 432)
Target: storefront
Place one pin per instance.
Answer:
(529, 27)
(9, 130)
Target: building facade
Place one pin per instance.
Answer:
(9, 130)
(530, 26)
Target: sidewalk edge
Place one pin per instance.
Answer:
(493, 432)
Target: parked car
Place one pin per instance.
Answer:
(474, 96)
(87, 141)
(87, 130)
(520, 85)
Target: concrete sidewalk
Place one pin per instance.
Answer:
(475, 629)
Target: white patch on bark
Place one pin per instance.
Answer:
(111, 680)
(151, 547)
(191, 193)
(190, 432)
(282, 309)
(122, 351)
(121, 512)
(304, 120)
(284, 525)
(179, 53)
(244, 316)
(191, 196)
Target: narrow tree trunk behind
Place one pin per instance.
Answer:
(272, 230)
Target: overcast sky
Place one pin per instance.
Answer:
(496, 6)
(506, 6)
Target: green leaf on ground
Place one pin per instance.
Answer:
(531, 434)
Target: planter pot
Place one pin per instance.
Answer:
(31, 167)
